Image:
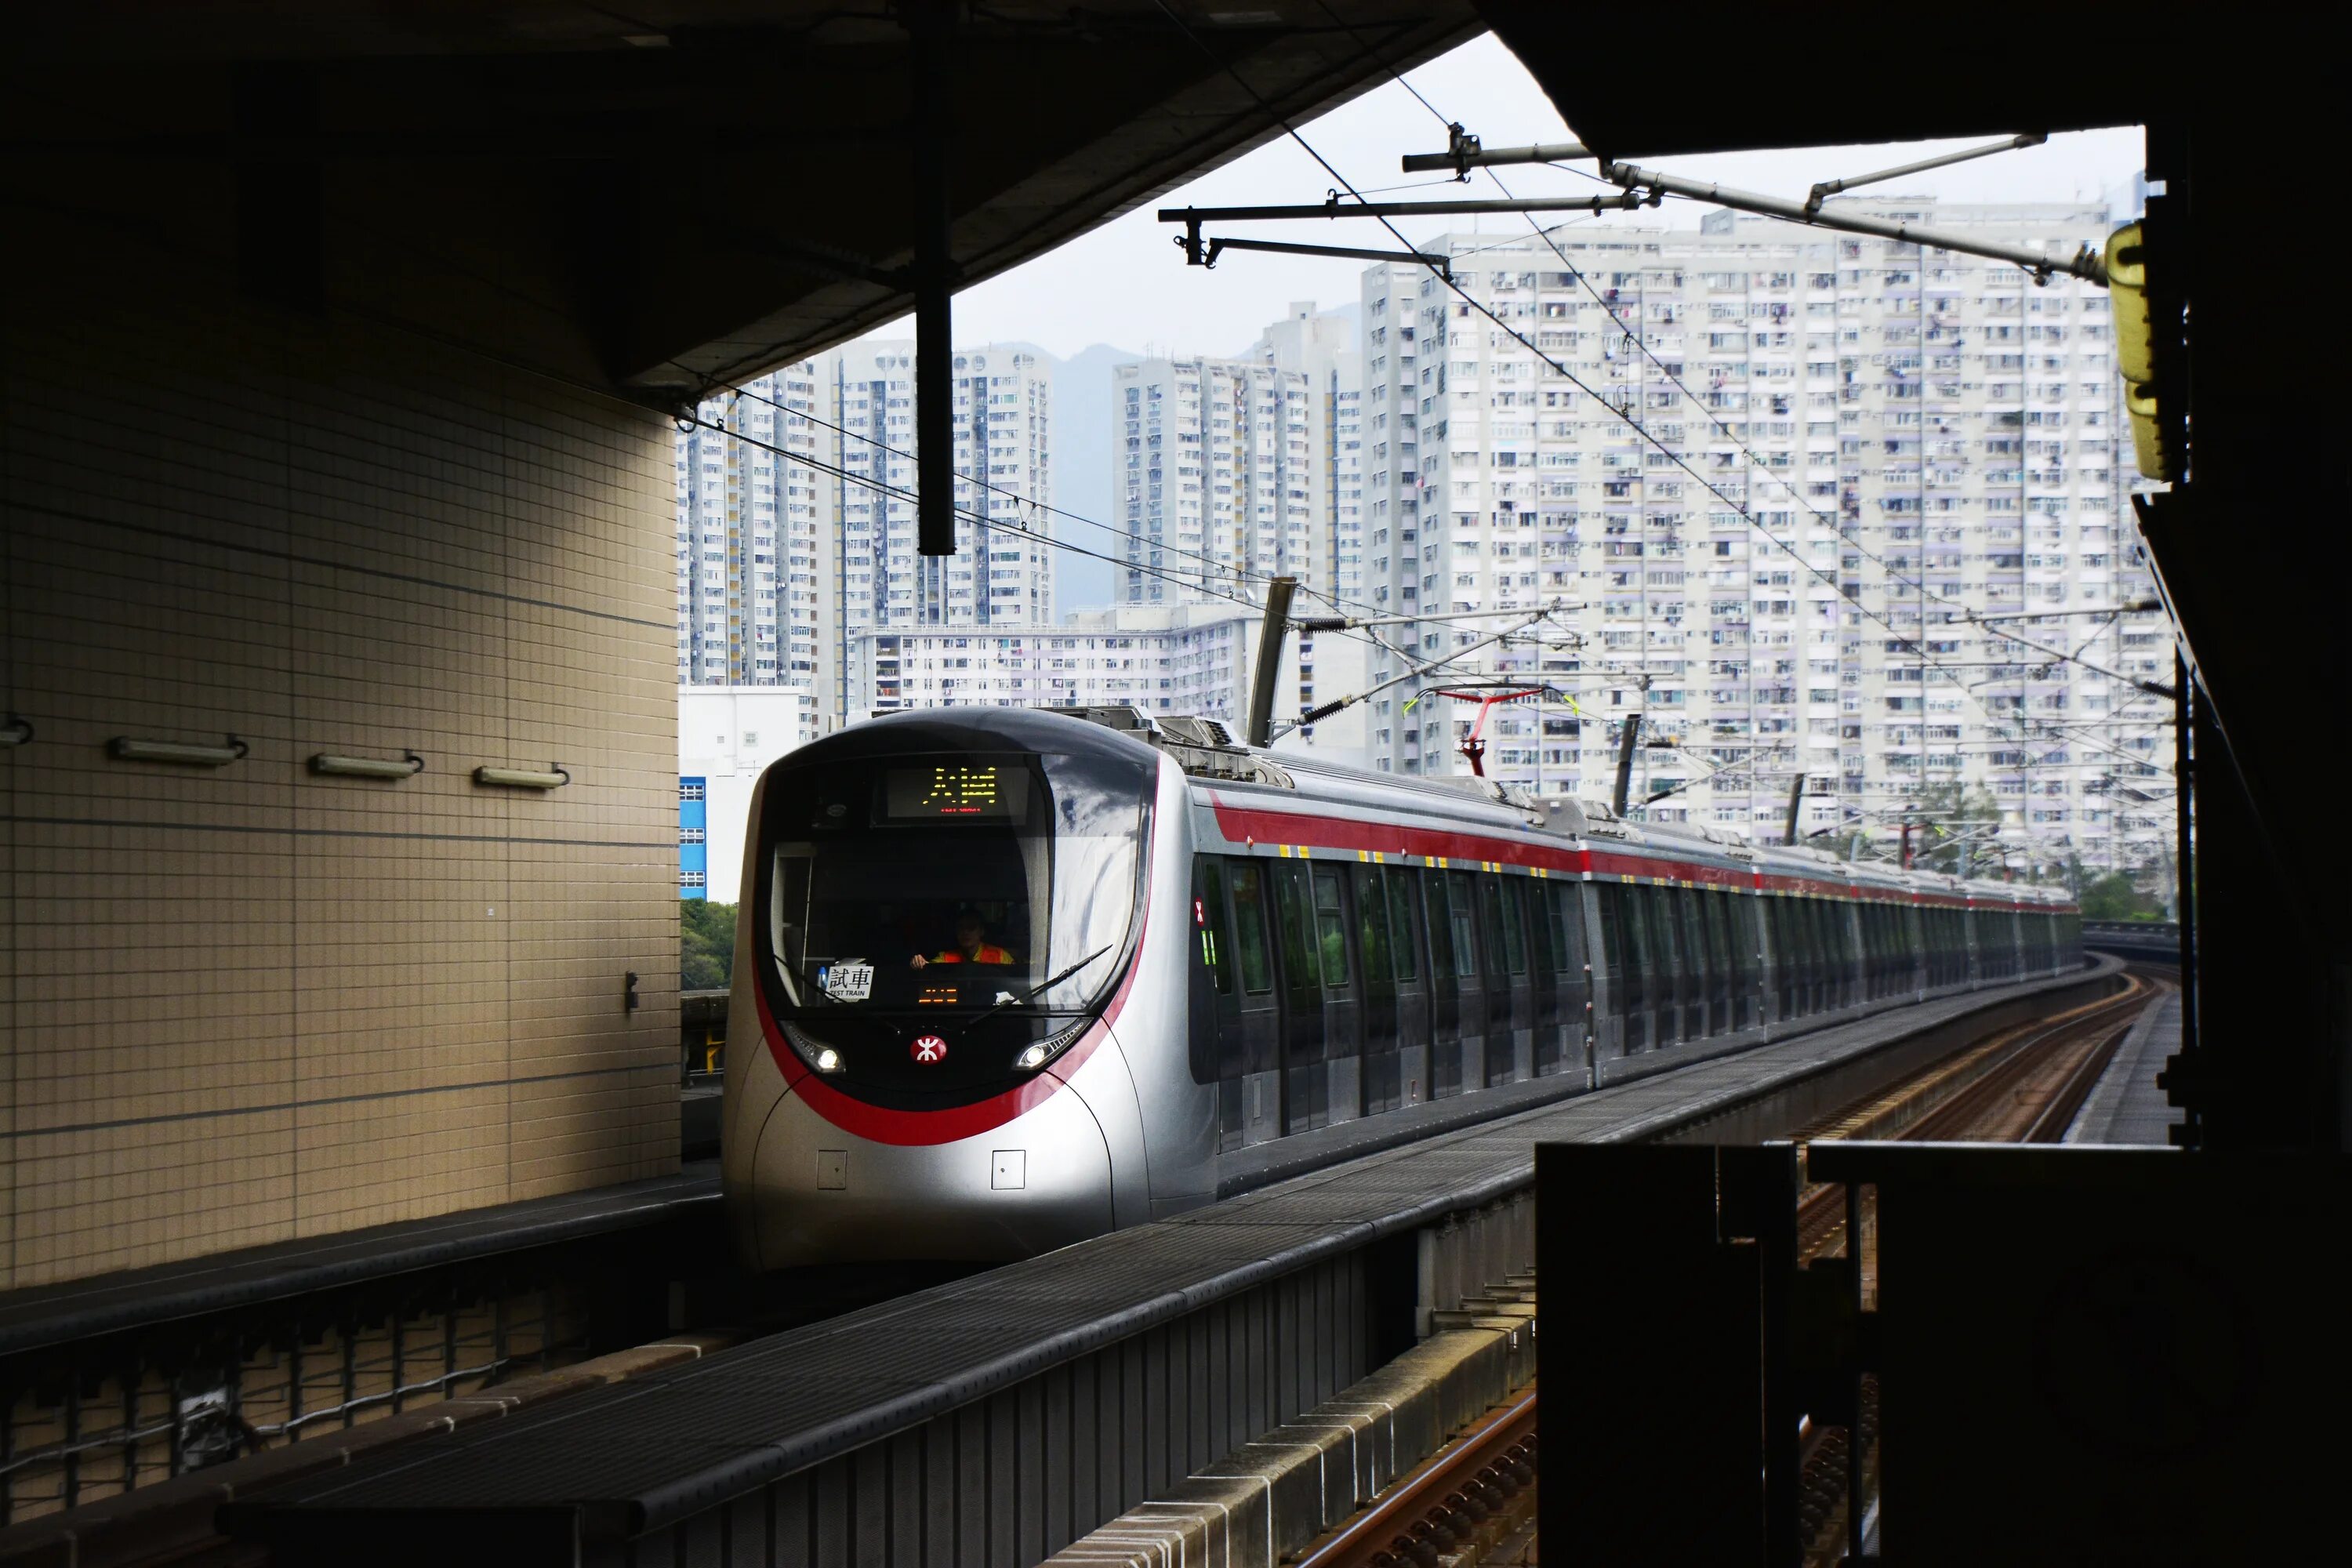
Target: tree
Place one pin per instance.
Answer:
(706, 945)
(2114, 898)
(1945, 812)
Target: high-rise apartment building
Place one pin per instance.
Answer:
(796, 515)
(1804, 462)
(1232, 471)
(751, 521)
(1216, 475)
(1180, 661)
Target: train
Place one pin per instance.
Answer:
(1010, 978)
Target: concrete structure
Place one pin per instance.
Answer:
(1847, 399)
(248, 1002)
(726, 736)
(337, 368)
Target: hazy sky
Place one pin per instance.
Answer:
(1125, 283)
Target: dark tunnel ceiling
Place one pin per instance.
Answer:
(690, 191)
(699, 190)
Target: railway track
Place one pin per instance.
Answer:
(2024, 1084)
(1471, 1504)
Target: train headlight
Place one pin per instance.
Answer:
(1037, 1053)
(815, 1052)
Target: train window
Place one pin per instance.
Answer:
(1666, 939)
(1515, 941)
(1610, 899)
(1557, 926)
(1636, 971)
(1699, 960)
(1441, 929)
(1209, 918)
(1372, 928)
(1331, 925)
(1402, 946)
(1249, 928)
(941, 882)
(1719, 965)
(1458, 908)
(1300, 966)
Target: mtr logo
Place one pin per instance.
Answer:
(927, 1049)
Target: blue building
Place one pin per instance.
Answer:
(693, 838)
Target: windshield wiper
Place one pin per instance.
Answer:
(1045, 985)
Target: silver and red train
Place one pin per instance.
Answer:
(1019, 977)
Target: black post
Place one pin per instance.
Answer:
(933, 28)
(2184, 861)
(1269, 659)
(1625, 744)
(1796, 799)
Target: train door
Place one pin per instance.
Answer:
(1378, 1075)
(1669, 999)
(1842, 966)
(1577, 1022)
(1479, 1001)
(1546, 973)
(1609, 946)
(1830, 916)
(1723, 971)
(1257, 1006)
(1510, 1034)
(1743, 914)
(1817, 950)
(1343, 994)
(1407, 953)
(1851, 931)
(1880, 948)
(1644, 978)
(1445, 1019)
(1701, 976)
(1213, 1002)
(1787, 956)
(1306, 1091)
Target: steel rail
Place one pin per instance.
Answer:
(1357, 1541)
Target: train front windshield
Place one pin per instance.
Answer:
(952, 885)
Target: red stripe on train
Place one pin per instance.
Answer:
(1251, 823)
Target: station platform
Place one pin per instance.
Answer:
(1119, 1365)
(249, 1277)
(2126, 1106)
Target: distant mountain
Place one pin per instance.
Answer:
(1083, 444)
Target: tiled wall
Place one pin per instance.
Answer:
(242, 1004)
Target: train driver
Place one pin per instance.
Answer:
(971, 945)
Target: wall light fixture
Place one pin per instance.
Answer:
(129, 749)
(406, 765)
(555, 777)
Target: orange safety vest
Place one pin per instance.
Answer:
(989, 953)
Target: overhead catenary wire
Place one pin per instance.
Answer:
(1739, 507)
(1220, 568)
(1918, 587)
(995, 525)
